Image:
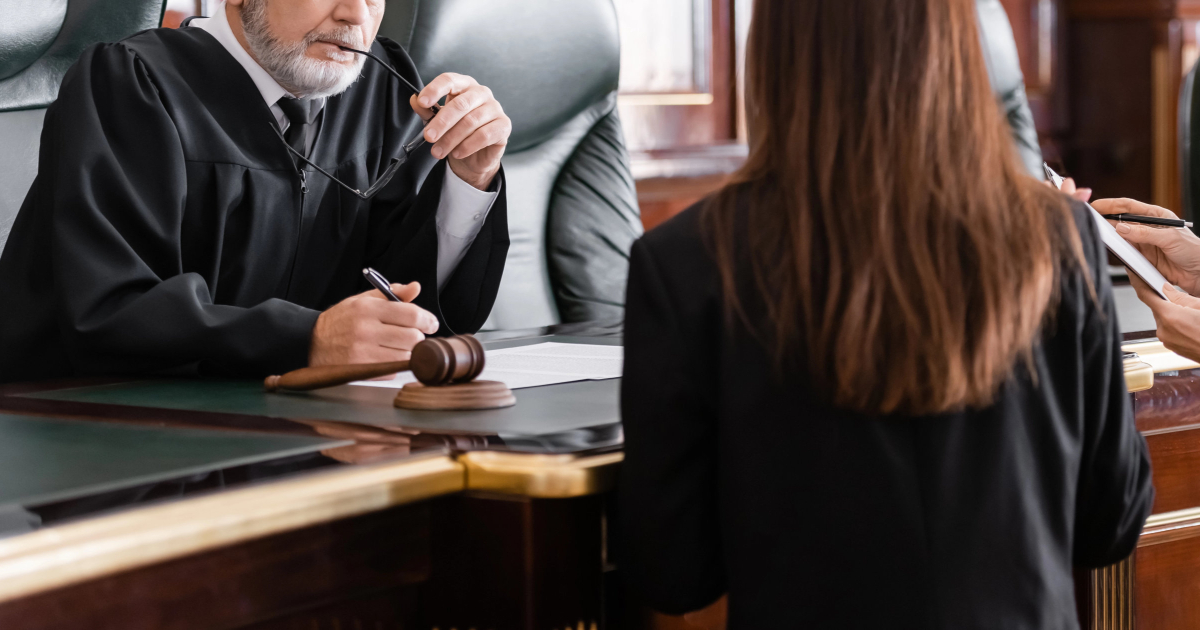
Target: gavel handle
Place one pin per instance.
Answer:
(310, 378)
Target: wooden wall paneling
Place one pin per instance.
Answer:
(1109, 147)
(1168, 586)
(1039, 32)
(670, 121)
(1126, 63)
(663, 198)
(1176, 457)
(1168, 415)
(1167, 76)
(682, 151)
(1167, 591)
(1023, 15)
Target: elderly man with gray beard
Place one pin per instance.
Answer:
(207, 199)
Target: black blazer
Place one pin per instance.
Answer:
(741, 481)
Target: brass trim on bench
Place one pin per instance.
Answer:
(541, 476)
(1170, 526)
(1139, 376)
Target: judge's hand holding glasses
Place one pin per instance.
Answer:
(1175, 252)
(303, 45)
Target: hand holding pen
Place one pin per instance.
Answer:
(376, 326)
(1175, 252)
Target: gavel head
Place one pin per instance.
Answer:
(443, 361)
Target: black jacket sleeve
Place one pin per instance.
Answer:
(668, 503)
(112, 174)
(1115, 493)
(403, 243)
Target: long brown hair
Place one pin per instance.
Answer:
(892, 237)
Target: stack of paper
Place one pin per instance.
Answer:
(539, 364)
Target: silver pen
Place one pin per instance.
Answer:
(379, 282)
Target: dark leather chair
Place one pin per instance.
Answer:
(39, 40)
(1004, 70)
(1188, 179)
(572, 206)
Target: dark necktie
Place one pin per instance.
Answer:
(298, 114)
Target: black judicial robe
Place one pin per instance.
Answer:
(169, 229)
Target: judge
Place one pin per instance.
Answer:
(179, 221)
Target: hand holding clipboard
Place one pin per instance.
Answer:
(1134, 261)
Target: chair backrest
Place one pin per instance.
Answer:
(39, 40)
(1188, 180)
(1004, 71)
(572, 205)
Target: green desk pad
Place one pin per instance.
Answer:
(45, 460)
(539, 410)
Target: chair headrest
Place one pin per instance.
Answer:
(40, 40)
(26, 31)
(546, 60)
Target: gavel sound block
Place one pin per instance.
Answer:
(445, 368)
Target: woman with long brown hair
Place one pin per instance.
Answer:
(875, 381)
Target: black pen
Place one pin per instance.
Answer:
(1137, 218)
(1057, 180)
(379, 282)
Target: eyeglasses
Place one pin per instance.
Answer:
(396, 162)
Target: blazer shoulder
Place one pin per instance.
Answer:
(680, 256)
(679, 234)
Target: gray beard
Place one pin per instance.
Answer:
(290, 66)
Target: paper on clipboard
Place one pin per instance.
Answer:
(1133, 260)
(1128, 254)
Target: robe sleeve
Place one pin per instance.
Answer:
(112, 174)
(402, 242)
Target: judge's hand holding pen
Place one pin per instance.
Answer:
(1176, 254)
(371, 328)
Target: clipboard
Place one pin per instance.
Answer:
(1134, 261)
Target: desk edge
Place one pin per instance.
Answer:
(60, 556)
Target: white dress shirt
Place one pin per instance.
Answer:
(463, 208)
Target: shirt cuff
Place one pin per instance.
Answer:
(463, 207)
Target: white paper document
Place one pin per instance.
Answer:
(539, 364)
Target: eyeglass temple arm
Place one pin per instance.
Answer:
(388, 174)
(436, 108)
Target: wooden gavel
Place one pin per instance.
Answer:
(435, 362)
